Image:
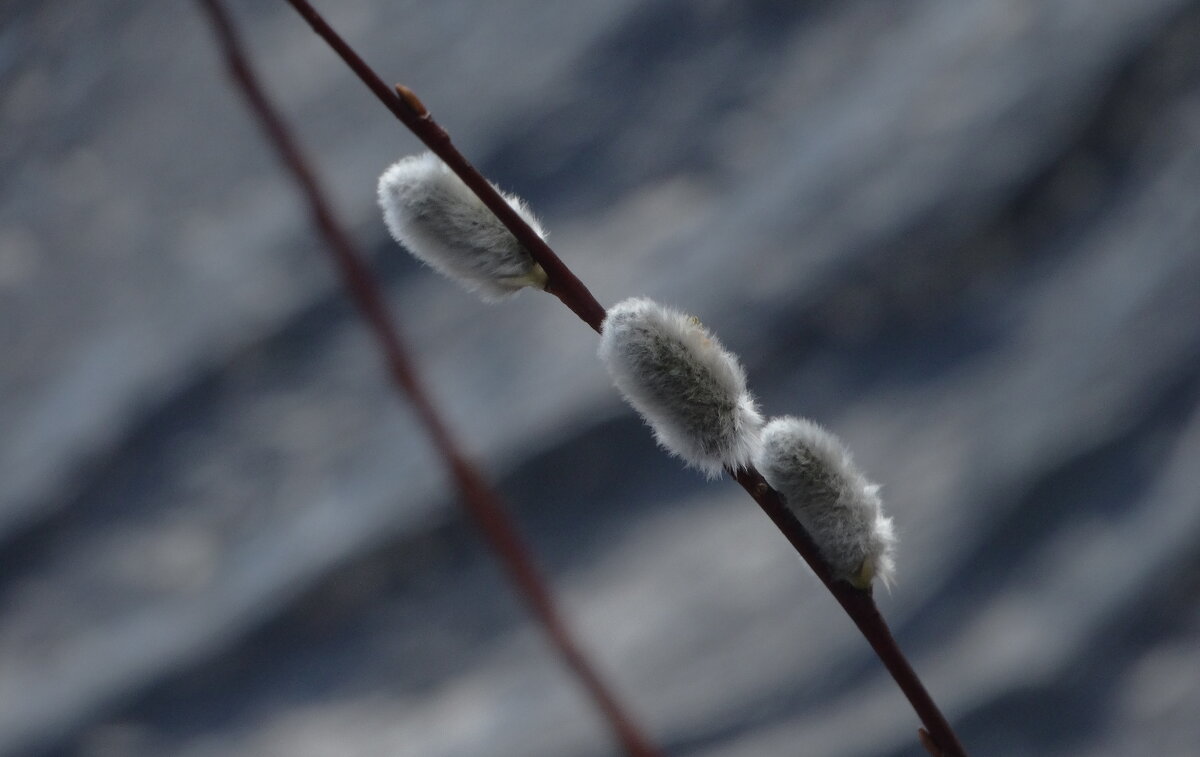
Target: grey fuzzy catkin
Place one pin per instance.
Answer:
(430, 211)
(830, 497)
(687, 387)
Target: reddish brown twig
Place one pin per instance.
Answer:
(858, 604)
(562, 283)
(480, 501)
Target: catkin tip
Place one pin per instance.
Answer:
(409, 98)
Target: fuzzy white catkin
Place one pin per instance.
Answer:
(430, 211)
(687, 387)
(830, 497)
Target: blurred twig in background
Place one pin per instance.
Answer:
(478, 498)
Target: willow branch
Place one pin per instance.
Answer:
(860, 606)
(938, 737)
(481, 501)
(403, 104)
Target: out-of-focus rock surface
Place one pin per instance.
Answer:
(964, 234)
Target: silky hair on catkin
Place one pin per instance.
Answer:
(436, 217)
(688, 388)
(831, 498)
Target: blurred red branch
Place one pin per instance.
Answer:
(480, 501)
(940, 739)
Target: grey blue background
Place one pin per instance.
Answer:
(964, 234)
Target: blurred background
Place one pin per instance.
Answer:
(963, 234)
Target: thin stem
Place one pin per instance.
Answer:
(940, 738)
(562, 283)
(480, 500)
(860, 606)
